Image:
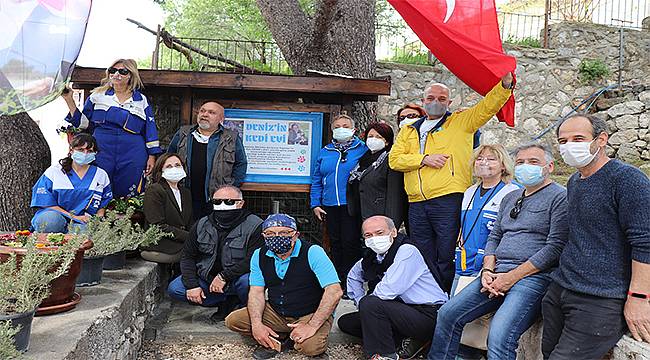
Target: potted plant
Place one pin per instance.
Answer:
(69, 130)
(28, 268)
(7, 343)
(113, 234)
(123, 204)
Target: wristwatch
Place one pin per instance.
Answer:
(638, 295)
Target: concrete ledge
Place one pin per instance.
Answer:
(107, 323)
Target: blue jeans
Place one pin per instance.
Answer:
(515, 313)
(239, 287)
(51, 221)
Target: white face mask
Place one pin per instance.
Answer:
(223, 206)
(379, 244)
(375, 144)
(174, 174)
(577, 154)
(342, 134)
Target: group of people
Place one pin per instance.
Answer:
(492, 256)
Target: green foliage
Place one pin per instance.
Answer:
(592, 69)
(527, 41)
(115, 232)
(26, 278)
(7, 347)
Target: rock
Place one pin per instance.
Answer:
(403, 85)
(644, 120)
(398, 74)
(575, 62)
(629, 107)
(610, 151)
(606, 103)
(642, 133)
(623, 137)
(549, 110)
(531, 126)
(644, 97)
(640, 144)
(602, 115)
(645, 155)
(628, 152)
(611, 124)
(627, 122)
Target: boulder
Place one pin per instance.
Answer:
(626, 108)
(623, 137)
(644, 97)
(627, 152)
(644, 120)
(627, 122)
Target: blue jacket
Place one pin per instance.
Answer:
(330, 178)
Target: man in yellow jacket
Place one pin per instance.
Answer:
(434, 155)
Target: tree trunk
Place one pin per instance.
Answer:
(25, 157)
(338, 38)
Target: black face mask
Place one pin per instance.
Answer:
(226, 217)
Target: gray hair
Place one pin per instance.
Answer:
(548, 155)
(598, 125)
(432, 84)
(342, 116)
(229, 187)
(389, 222)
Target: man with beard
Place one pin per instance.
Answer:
(215, 258)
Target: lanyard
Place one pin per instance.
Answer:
(460, 233)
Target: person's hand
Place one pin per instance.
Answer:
(84, 219)
(301, 332)
(487, 278)
(217, 284)
(151, 160)
(637, 316)
(67, 94)
(319, 212)
(506, 80)
(262, 334)
(435, 161)
(195, 295)
(502, 283)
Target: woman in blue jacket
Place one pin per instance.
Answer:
(122, 122)
(328, 193)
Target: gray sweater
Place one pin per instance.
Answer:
(610, 226)
(538, 234)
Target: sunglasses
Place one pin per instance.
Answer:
(409, 116)
(514, 213)
(224, 201)
(122, 71)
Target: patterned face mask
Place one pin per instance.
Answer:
(279, 244)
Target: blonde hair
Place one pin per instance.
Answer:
(135, 83)
(342, 116)
(502, 156)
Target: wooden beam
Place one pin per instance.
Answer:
(186, 106)
(302, 188)
(282, 83)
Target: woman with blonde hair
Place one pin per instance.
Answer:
(121, 119)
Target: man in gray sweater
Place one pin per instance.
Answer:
(522, 249)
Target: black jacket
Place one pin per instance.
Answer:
(160, 208)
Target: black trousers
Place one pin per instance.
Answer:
(579, 326)
(382, 321)
(345, 239)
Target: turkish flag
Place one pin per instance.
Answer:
(464, 36)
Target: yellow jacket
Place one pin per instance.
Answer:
(454, 139)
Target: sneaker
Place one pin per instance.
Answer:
(412, 348)
(262, 353)
(384, 357)
(224, 309)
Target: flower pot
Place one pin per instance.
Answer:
(115, 261)
(91, 271)
(24, 320)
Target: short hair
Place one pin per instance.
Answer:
(231, 187)
(412, 106)
(501, 155)
(598, 125)
(432, 84)
(342, 116)
(548, 155)
(384, 130)
(389, 222)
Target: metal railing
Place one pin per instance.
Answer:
(627, 13)
(521, 28)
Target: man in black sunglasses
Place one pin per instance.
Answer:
(215, 259)
(522, 250)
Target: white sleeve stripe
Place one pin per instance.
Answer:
(153, 144)
(84, 122)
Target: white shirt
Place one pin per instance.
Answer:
(177, 195)
(426, 126)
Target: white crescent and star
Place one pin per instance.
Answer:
(451, 5)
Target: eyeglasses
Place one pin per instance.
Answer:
(514, 213)
(279, 233)
(122, 71)
(225, 201)
(409, 116)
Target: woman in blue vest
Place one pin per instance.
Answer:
(121, 120)
(328, 193)
(493, 168)
(72, 191)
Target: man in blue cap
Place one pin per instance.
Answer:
(301, 297)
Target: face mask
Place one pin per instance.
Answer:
(529, 175)
(225, 218)
(435, 109)
(482, 170)
(82, 158)
(375, 144)
(223, 206)
(279, 244)
(379, 244)
(342, 134)
(174, 174)
(577, 154)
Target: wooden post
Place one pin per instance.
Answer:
(186, 106)
(156, 51)
(547, 14)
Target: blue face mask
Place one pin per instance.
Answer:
(279, 244)
(82, 158)
(529, 175)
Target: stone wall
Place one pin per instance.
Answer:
(548, 86)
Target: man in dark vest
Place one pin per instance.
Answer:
(403, 296)
(303, 291)
(214, 156)
(215, 258)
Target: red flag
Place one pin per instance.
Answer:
(464, 36)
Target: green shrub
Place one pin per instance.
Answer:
(7, 347)
(408, 57)
(592, 69)
(527, 41)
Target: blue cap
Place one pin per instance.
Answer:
(279, 220)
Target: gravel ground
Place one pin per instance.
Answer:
(196, 351)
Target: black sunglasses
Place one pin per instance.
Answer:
(225, 201)
(122, 71)
(409, 116)
(514, 213)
